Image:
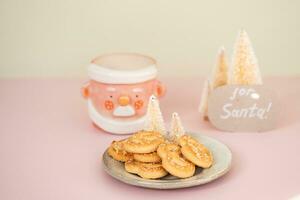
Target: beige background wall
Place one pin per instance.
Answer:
(59, 37)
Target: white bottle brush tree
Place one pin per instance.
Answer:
(177, 129)
(244, 67)
(219, 75)
(154, 119)
(203, 107)
(218, 78)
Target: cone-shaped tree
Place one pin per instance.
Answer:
(220, 73)
(154, 119)
(244, 68)
(203, 107)
(177, 129)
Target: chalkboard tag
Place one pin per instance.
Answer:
(241, 108)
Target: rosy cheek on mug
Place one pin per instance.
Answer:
(138, 104)
(160, 89)
(109, 105)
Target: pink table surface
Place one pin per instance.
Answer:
(49, 149)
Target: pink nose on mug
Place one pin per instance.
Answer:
(119, 89)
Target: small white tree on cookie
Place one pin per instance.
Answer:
(219, 75)
(177, 129)
(154, 119)
(244, 68)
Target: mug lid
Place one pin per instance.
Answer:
(122, 68)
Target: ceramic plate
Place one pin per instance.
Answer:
(222, 161)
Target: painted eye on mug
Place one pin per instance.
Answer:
(109, 105)
(138, 104)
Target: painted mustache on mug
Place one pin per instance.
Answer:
(124, 111)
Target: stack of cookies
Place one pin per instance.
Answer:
(153, 154)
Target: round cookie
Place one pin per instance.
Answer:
(185, 139)
(152, 170)
(177, 165)
(143, 142)
(165, 147)
(195, 152)
(146, 170)
(147, 157)
(117, 152)
(132, 166)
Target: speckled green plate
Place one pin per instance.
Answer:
(222, 162)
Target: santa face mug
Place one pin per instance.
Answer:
(119, 89)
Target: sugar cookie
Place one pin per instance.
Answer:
(117, 152)
(132, 166)
(152, 170)
(195, 152)
(177, 165)
(183, 140)
(165, 147)
(143, 142)
(146, 170)
(147, 157)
